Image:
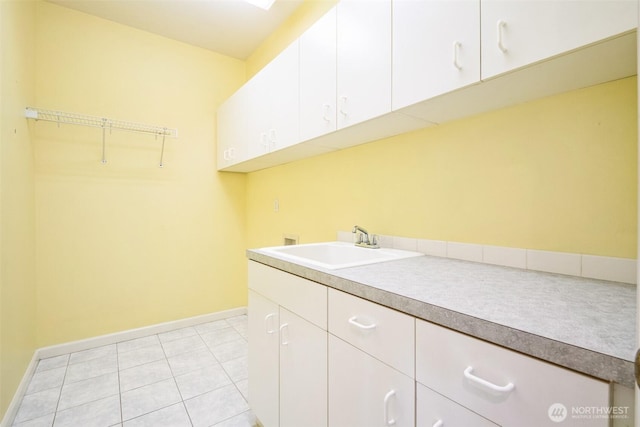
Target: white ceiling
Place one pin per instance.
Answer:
(231, 27)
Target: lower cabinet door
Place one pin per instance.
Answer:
(364, 392)
(263, 359)
(435, 410)
(303, 372)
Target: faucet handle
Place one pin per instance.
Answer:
(374, 239)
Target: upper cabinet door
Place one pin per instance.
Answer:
(519, 32)
(273, 107)
(364, 60)
(436, 48)
(256, 112)
(283, 95)
(318, 78)
(232, 129)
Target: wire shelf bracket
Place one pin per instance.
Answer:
(105, 124)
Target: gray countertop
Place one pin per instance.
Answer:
(582, 324)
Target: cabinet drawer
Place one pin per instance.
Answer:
(506, 387)
(303, 297)
(435, 410)
(382, 332)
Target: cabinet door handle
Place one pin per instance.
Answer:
(232, 153)
(438, 423)
(354, 321)
(491, 386)
(456, 48)
(387, 397)
(325, 112)
(264, 141)
(283, 327)
(225, 154)
(501, 24)
(272, 139)
(267, 319)
(343, 104)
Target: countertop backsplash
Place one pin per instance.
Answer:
(614, 269)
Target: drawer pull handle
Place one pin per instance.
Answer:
(268, 321)
(387, 397)
(438, 423)
(283, 340)
(499, 388)
(354, 321)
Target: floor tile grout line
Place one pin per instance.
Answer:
(119, 387)
(70, 363)
(118, 352)
(184, 405)
(55, 412)
(64, 377)
(155, 382)
(226, 419)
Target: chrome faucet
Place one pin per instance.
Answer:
(362, 239)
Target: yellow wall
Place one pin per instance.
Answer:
(301, 19)
(129, 244)
(556, 174)
(17, 206)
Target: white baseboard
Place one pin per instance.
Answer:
(12, 410)
(86, 344)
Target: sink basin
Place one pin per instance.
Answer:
(334, 255)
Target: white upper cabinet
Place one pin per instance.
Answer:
(363, 73)
(364, 60)
(520, 32)
(318, 78)
(284, 98)
(232, 129)
(274, 104)
(436, 48)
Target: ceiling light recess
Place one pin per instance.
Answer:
(262, 4)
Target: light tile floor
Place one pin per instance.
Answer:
(190, 377)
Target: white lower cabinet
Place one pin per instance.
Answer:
(319, 357)
(507, 388)
(287, 351)
(365, 392)
(264, 377)
(303, 372)
(435, 410)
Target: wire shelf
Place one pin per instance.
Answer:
(105, 124)
(99, 122)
